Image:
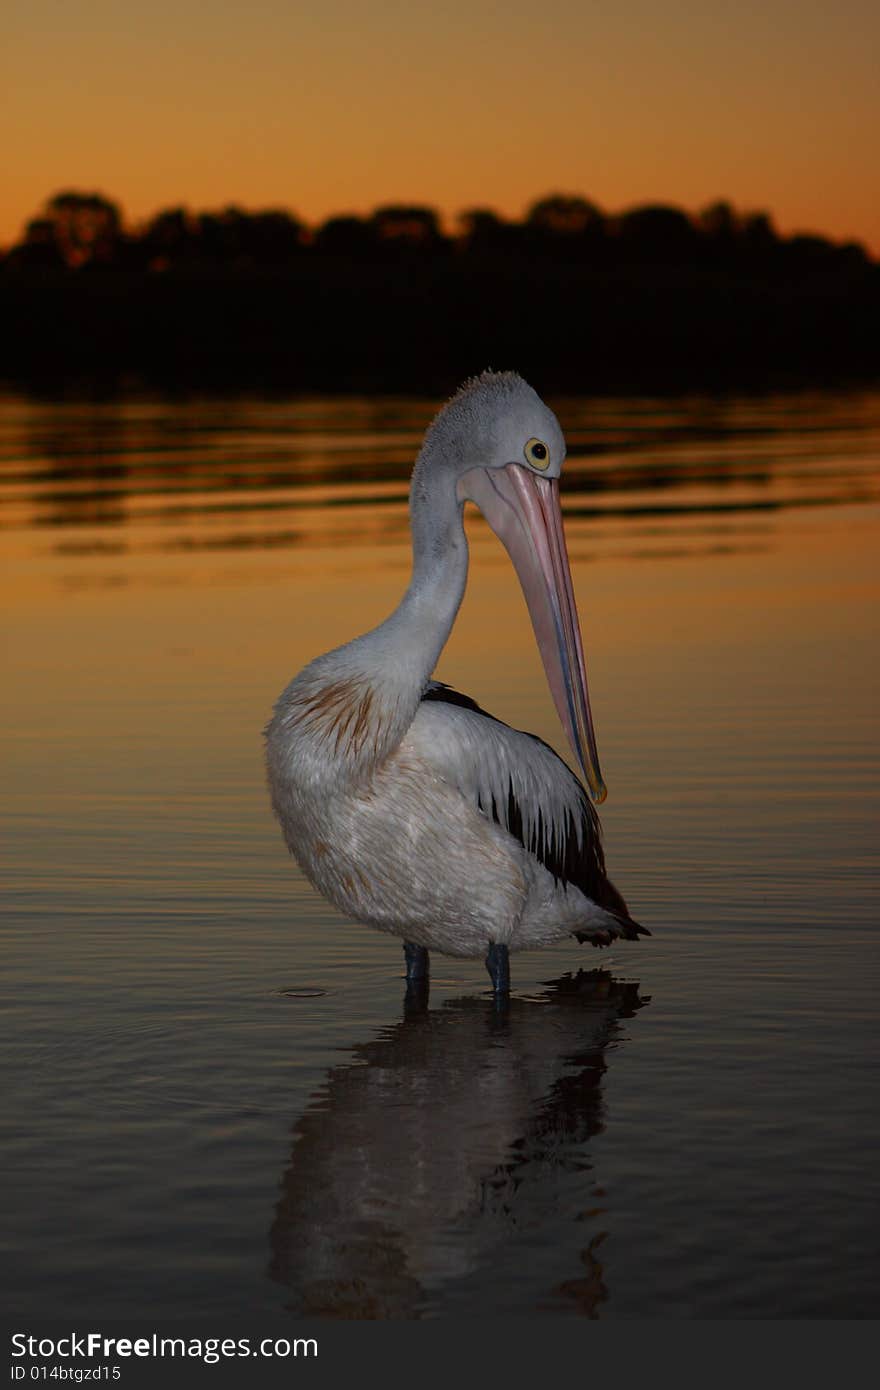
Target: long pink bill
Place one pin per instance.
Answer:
(524, 512)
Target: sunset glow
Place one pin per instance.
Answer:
(347, 106)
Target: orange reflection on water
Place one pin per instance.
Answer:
(157, 576)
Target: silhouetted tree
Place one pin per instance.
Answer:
(853, 255)
(416, 228)
(483, 232)
(718, 229)
(810, 252)
(248, 238)
(564, 215)
(758, 239)
(758, 228)
(273, 237)
(563, 225)
(719, 223)
(657, 233)
(220, 235)
(230, 237)
(168, 240)
(38, 249)
(87, 228)
(344, 236)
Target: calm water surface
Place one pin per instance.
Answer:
(216, 1101)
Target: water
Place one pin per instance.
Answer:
(215, 1100)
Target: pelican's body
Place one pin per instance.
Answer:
(405, 804)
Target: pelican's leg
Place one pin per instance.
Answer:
(416, 962)
(498, 966)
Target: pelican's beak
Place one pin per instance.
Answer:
(523, 511)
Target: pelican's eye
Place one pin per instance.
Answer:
(537, 453)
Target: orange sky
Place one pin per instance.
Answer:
(350, 103)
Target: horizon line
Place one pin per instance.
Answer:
(446, 218)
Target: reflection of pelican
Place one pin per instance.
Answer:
(406, 804)
(448, 1147)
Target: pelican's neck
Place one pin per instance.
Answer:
(359, 700)
(409, 642)
(351, 707)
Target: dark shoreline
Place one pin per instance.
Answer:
(331, 326)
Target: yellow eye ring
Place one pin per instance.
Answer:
(537, 454)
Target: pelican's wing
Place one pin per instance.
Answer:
(519, 782)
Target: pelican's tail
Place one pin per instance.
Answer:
(616, 921)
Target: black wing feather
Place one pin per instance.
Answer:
(579, 861)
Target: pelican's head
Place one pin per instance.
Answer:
(506, 450)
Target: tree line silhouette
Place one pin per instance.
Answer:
(578, 298)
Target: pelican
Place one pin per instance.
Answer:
(404, 802)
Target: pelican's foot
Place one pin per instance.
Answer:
(417, 962)
(498, 966)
